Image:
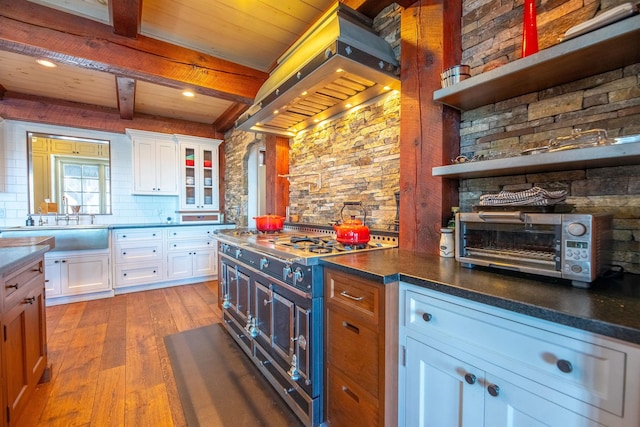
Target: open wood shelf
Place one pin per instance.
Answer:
(582, 158)
(605, 49)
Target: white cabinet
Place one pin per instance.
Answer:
(198, 165)
(76, 272)
(77, 148)
(138, 256)
(468, 364)
(154, 159)
(191, 252)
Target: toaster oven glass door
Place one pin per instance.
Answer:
(533, 245)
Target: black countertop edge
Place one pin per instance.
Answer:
(601, 327)
(164, 224)
(611, 308)
(14, 257)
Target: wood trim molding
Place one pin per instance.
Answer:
(126, 15)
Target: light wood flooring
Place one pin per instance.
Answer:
(109, 365)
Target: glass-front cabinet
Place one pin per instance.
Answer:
(199, 177)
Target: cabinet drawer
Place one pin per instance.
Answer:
(579, 369)
(190, 232)
(356, 295)
(133, 234)
(138, 274)
(353, 347)
(181, 245)
(16, 283)
(347, 403)
(139, 253)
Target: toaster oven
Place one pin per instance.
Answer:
(567, 246)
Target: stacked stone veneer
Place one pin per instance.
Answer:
(356, 156)
(610, 101)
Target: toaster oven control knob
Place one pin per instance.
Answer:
(264, 263)
(576, 229)
(298, 275)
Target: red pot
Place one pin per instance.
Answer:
(352, 232)
(269, 222)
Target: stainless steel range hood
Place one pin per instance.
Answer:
(337, 64)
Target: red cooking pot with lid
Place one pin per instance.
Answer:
(269, 222)
(352, 231)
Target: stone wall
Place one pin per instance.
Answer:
(610, 101)
(356, 155)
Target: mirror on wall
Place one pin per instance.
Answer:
(68, 174)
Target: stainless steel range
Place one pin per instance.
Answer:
(272, 303)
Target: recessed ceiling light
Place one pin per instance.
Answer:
(349, 105)
(46, 63)
(304, 93)
(339, 70)
(386, 88)
(188, 94)
(276, 112)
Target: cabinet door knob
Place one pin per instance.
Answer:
(14, 286)
(493, 390)
(427, 317)
(564, 366)
(470, 378)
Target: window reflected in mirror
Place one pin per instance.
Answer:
(68, 175)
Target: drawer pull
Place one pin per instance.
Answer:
(427, 317)
(351, 327)
(14, 286)
(470, 378)
(493, 390)
(350, 393)
(29, 300)
(564, 366)
(346, 295)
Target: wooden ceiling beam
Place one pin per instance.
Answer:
(125, 17)
(37, 109)
(34, 30)
(372, 8)
(227, 120)
(126, 89)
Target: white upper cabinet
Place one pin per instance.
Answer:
(155, 163)
(198, 165)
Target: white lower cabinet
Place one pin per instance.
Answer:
(74, 273)
(139, 256)
(467, 364)
(191, 252)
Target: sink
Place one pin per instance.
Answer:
(68, 237)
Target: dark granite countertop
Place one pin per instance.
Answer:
(610, 308)
(13, 257)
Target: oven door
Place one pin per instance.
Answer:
(516, 241)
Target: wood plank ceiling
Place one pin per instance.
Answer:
(132, 59)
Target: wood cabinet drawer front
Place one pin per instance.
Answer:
(181, 245)
(356, 295)
(130, 235)
(348, 404)
(139, 253)
(582, 370)
(354, 348)
(22, 278)
(190, 232)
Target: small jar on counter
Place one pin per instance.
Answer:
(447, 247)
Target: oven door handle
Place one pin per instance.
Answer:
(267, 254)
(501, 216)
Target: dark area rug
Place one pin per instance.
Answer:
(219, 385)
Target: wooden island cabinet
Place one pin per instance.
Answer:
(360, 351)
(23, 349)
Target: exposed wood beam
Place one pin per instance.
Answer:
(126, 88)
(125, 16)
(276, 163)
(372, 8)
(38, 31)
(17, 106)
(227, 119)
(2, 92)
(429, 132)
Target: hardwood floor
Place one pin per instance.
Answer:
(109, 366)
